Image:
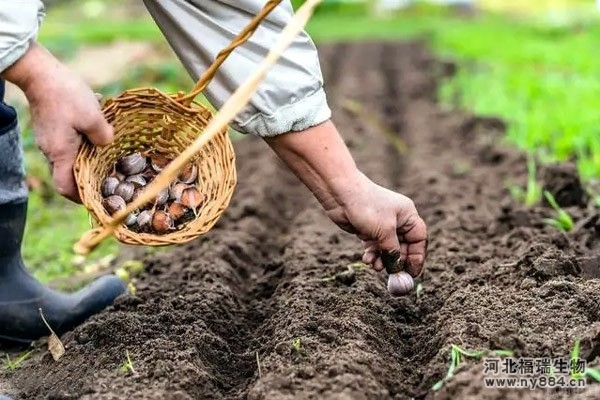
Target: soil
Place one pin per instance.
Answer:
(244, 312)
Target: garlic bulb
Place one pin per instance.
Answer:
(400, 283)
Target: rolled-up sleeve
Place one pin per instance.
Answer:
(290, 98)
(19, 25)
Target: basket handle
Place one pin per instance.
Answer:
(242, 37)
(228, 111)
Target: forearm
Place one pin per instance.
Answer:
(34, 65)
(321, 160)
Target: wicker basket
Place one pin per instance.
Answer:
(147, 119)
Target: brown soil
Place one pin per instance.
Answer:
(217, 319)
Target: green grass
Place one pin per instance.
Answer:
(543, 79)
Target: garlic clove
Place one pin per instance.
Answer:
(162, 222)
(144, 219)
(400, 283)
(113, 204)
(118, 175)
(109, 185)
(158, 162)
(162, 197)
(189, 174)
(177, 211)
(138, 180)
(176, 190)
(132, 164)
(191, 197)
(149, 173)
(125, 190)
(131, 219)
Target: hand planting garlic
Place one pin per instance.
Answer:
(171, 208)
(400, 282)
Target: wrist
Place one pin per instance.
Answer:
(320, 159)
(32, 67)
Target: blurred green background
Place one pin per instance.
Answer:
(531, 63)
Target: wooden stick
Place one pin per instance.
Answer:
(221, 120)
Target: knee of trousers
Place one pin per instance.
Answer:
(12, 171)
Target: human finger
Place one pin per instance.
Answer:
(415, 240)
(95, 127)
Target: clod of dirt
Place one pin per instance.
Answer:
(563, 182)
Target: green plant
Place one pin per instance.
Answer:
(589, 372)
(12, 365)
(562, 220)
(296, 345)
(127, 365)
(456, 354)
(533, 192)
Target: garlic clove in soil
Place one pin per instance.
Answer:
(400, 283)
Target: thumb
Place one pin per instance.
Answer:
(389, 247)
(97, 129)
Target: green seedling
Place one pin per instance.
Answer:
(419, 290)
(296, 344)
(456, 355)
(127, 365)
(12, 365)
(589, 372)
(357, 265)
(562, 220)
(534, 190)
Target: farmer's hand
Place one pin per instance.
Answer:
(383, 219)
(62, 107)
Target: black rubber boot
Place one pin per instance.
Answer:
(21, 295)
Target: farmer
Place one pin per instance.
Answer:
(289, 111)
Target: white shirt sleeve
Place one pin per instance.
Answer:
(290, 98)
(20, 21)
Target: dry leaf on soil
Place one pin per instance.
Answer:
(55, 346)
